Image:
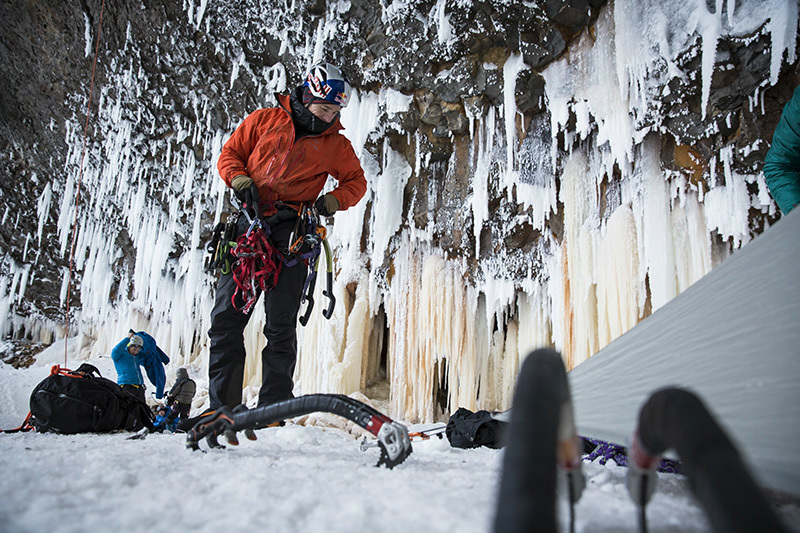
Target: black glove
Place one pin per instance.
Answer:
(249, 197)
(327, 205)
(170, 400)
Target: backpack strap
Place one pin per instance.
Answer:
(138, 414)
(27, 425)
(87, 370)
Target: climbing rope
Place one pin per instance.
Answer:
(80, 179)
(257, 266)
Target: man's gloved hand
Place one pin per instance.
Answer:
(327, 205)
(241, 183)
(245, 190)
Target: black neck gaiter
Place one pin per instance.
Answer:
(305, 122)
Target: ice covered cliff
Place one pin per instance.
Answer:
(540, 173)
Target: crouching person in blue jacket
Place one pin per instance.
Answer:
(160, 423)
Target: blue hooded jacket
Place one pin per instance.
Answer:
(126, 364)
(151, 357)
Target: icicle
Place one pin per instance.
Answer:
(388, 201)
(513, 66)
(444, 32)
(579, 205)
(617, 279)
(659, 260)
(87, 35)
(200, 12)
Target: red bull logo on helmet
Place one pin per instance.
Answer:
(326, 82)
(319, 87)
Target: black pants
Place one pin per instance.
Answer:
(136, 390)
(226, 350)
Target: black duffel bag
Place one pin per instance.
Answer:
(82, 401)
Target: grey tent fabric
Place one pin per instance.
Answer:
(734, 339)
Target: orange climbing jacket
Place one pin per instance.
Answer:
(264, 148)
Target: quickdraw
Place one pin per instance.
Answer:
(222, 244)
(311, 281)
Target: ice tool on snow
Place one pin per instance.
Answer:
(393, 438)
(417, 435)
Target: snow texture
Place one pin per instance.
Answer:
(587, 289)
(293, 479)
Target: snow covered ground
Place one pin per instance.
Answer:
(296, 478)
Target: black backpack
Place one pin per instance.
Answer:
(83, 401)
(466, 429)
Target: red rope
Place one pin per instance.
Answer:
(256, 269)
(80, 180)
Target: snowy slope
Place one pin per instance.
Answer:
(295, 478)
(733, 338)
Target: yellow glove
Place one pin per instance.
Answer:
(241, 182)
(245, 190)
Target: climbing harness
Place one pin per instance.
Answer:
(256, 263)
(393, 437)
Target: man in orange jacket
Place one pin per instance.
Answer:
(280, 156)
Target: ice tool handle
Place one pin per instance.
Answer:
(308, 295)
(542, 441)
(393, 437)
(676, 418)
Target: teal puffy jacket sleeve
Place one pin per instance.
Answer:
(782, 164)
